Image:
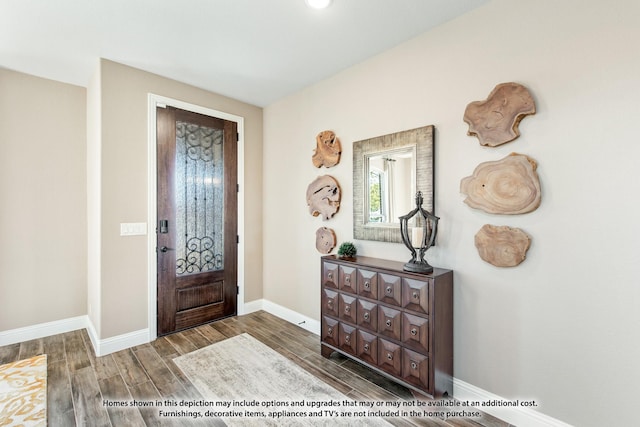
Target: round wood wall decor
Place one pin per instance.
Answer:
(495, 121)
(323, 196)
(327, 151)
(508, 186)
(325, 240)
(502, 246)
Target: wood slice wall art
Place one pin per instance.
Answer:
(325, 240)
(323, 196)
(502, 246)
(507, 186)
(327, 151)
(495, 121)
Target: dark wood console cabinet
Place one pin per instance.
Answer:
(395, 322)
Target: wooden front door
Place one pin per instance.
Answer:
(197, 219)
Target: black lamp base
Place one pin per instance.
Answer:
(418, 267)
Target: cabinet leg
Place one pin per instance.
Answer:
(326, 351)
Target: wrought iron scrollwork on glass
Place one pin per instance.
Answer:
(199, 199)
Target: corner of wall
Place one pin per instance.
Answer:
(94, 141)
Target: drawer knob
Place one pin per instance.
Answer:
(416, 295)
(330, 275)
(330, 303)
(330, 331)
(414, 365)
(366, 348)
(388, 322)
(366, 315)
(347, 339)
(347, 309)
(347, 279)
(414, 332)
(389, 356)
(389, 289)
(367, 285)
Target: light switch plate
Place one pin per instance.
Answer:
(133, 228)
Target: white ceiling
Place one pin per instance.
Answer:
(256, 51)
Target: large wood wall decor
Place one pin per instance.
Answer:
(325, 240)
(502, 246)
(327, 151)
(495, 120)
(323, 196)
(507, 186)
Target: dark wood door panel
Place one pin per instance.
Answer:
(197, 214)
(199, 315)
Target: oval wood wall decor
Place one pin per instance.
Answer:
(325, 240)
(508, 186)
(323, 196)
(327, 151)
(495, 120)
(502, 246)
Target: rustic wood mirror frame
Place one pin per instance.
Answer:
(423, 141)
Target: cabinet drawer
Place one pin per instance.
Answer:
(329, 302)
(415, 332)
(348, 279)
(367, 316)
(347, 338)
(347, 308)
(389, 357)
(415, 295)
(415, 369)
(329, 331)
(330, 275)
(367, 347)
(389, 322)
(367, 283)
(389, 289)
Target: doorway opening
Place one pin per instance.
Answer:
(199, 294)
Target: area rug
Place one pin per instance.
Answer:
(246, 383)
(23, 392)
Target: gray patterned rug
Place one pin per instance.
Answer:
(246, 383)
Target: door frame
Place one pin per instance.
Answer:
(152, 220)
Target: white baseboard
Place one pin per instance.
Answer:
(121, 342)
(522, 417)
(253, 306)
(101, 347)
(43, 330)
(117, 343)
(289, 315)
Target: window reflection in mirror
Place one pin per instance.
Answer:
(391, 185)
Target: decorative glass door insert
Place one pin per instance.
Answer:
(199, 199)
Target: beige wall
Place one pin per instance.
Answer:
(123, 161)
(43, 242)
(562, 327)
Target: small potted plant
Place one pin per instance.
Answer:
(347, 250)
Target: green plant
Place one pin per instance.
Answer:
(347, 249)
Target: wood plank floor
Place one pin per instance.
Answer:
(79, 382)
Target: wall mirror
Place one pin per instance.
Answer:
(388, 170)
